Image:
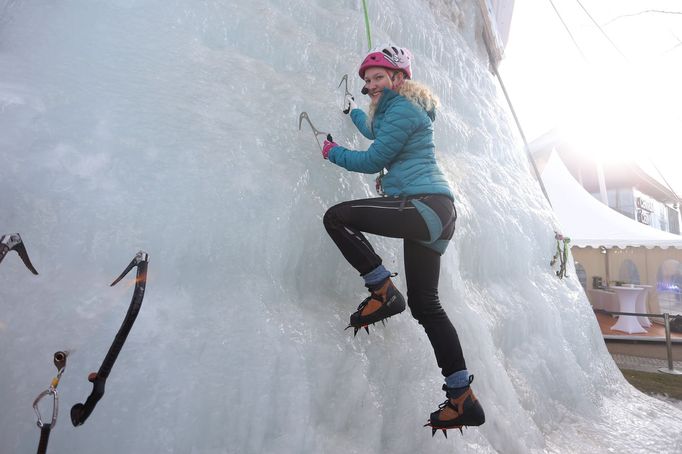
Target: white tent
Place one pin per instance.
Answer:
(654, 255)
(588, 222)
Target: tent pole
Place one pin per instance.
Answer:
(602, 183)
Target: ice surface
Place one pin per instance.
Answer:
(172, 127)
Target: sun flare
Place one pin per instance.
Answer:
(627, 114)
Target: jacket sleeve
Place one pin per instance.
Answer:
(397, 126)
(359, 118)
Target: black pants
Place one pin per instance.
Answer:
(398, 218)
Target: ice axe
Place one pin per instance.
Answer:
(304, 116)
(345, 79)
(81, 411)
(13, 242)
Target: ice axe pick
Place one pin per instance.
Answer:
(316, 132)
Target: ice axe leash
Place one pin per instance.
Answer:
(304, 116)
(81, 412)
(59, 359)
(13, 242)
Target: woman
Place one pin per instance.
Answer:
(417, 206)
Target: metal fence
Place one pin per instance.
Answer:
(668, 339)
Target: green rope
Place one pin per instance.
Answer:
(369, 47)
(369, 34)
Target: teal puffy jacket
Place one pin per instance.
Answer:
(403, 144)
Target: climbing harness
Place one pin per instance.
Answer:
(347, 93)
(80, 412)
(561, 254)
(45, 428)
(13, 242)
(304, 116)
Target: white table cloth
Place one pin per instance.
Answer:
(640, 306)
(627, 298)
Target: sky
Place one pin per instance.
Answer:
(613, 88)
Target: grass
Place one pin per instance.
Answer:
(655, 382)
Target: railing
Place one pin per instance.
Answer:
(668, 340)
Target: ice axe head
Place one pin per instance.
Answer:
(140, 257)
(344, 79)
(13, 242)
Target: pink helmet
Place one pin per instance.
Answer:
(390, 57)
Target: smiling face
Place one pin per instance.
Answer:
(376, 79)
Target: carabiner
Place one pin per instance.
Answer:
(59, 360)
(55, 407)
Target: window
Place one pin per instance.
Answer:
(673, 221)
(628, 272)
(622, 200)
(669, 287)
(582, 275)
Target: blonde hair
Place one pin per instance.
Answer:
(417, 93)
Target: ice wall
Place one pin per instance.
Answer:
(172, 127)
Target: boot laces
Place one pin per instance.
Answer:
(372, 296)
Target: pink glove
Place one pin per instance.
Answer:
(326, 147)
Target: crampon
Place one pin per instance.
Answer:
(391, 303)
(467, 409)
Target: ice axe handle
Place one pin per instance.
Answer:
(81, 412)
(329, 138)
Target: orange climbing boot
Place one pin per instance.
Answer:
(383, 302)
(462, 409)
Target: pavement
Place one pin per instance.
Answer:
(644, 364)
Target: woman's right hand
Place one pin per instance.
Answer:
(326, 146)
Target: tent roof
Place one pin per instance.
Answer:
(590, 223)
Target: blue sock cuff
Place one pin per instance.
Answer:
(459, 379)
(376, 276)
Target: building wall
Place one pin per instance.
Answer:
(643, 208)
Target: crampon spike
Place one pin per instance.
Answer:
(444, 429)
(367, 329)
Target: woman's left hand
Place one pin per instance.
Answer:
(349, 103)
(326, 147)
